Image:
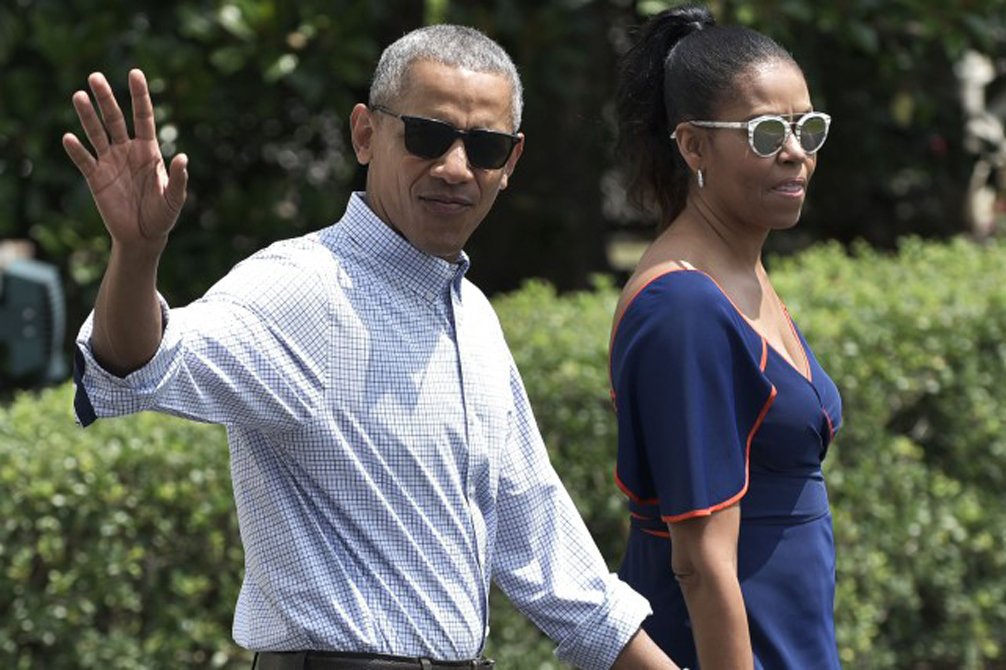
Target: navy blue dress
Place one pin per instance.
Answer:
(709, 415)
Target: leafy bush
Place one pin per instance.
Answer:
(258, 94)
(118, 545)
(917, 344)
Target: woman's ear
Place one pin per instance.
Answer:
(691, 143)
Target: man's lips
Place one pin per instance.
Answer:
(447, 200)
(446, 204)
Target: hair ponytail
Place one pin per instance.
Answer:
(682, 68)
(657, 176)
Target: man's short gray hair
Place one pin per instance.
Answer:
(454, 46)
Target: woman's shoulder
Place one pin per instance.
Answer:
(685, 306)
(672, 286)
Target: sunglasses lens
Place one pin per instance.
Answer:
(487, 149)
(813, 132)
(427, 138)
(768, 136)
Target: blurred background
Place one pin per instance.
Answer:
(258, 93)
(117, 544)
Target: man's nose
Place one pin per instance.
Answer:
(453, 166)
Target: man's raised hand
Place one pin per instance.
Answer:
(138, 198)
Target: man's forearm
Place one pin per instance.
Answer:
(127, 315)
(642, 653)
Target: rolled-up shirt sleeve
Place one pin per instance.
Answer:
(100, 393)
(246, 353)
(547, 562)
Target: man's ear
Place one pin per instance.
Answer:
(361, 132)
(691, 143)
(511, 162)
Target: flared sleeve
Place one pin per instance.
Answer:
(690, 393)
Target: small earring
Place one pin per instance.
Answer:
(701, 178)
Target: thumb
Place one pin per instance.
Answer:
(178, 178)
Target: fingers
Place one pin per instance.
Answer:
(111, 126)
(178, 177)
(79, 155)
(143, 108)
(92, 125)
(115, 122)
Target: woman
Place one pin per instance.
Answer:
(724, 413)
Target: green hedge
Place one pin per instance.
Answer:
(118, 545)
(918, 347)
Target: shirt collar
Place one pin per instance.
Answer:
(395, 256)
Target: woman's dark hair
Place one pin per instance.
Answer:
(683, 66)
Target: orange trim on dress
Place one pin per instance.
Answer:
(831, 425)
(747, 471)
(754, 429)
(632, 496)
(809, 374)
(621, 314)
(649, 531)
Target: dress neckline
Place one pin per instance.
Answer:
(685, 266)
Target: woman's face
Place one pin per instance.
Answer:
(740, 185)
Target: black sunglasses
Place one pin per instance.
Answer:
(429, 138)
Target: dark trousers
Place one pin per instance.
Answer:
(323, 660)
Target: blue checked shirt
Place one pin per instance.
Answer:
(385, 460)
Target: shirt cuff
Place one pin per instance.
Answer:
(100, 393)
(600, 638)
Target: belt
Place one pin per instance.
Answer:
(332, 660)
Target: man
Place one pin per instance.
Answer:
(385, 461)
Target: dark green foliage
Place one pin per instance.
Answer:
(917, 344)
(258, 93)
(119, 542)
(885, 72)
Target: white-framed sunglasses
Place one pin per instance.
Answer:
(769, 133)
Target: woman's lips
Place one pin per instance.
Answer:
(791, 187)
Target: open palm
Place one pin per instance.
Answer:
(138, 198)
